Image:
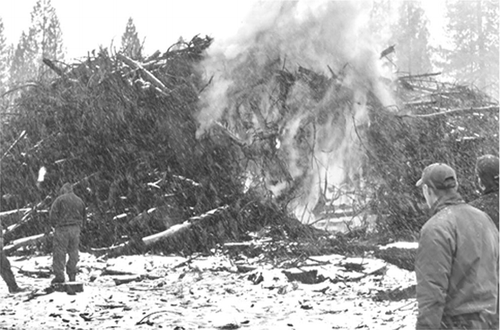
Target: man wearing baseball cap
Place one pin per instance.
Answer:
(457, 259)
(487, 174)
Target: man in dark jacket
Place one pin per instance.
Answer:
(457, 259)
(487, 174)
(5, 270)
(67, 215)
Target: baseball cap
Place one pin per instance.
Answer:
(438, 176)
(487, 169)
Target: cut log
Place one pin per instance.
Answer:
(127, 279)
(306, 277)
(25, 241)
(27, 216)
(123, 279)
(110, 271)
(14, 213)
(150, 240)
(69, 287)
(36, 273)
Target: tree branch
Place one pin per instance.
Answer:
(54, 68)
(455, 112)
(30, 84)
(420, 75)
(23, 133)
(148, 75)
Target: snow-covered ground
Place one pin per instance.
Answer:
(206, 293)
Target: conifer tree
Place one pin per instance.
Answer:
(411, 36)
(4, 59)
(45, 33)
(131, 45)
(43, 40)
(22, 67)
(381, 14)
(473, 59)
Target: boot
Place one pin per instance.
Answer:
(57, 280)
(16, 289)
(72, 278)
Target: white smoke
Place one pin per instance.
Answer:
(318, 135)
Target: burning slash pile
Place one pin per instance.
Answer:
(296, 87)
(185, 149)
(123, 131)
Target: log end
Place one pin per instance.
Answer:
(68, 287)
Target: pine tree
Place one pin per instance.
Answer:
(131, 45)
(473, 28)
(411, 36)
(380, 20)
(46, 34)
(23, 66)
(43, 40)
(4, 59)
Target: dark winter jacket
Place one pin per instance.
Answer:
(67, 209)
(488, 203)
(456, 263)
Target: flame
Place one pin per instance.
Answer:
(318, 128)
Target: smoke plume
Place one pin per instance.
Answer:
(298, 74)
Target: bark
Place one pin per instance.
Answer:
(173, 231)
(25, 241)
(54, 68)
(13, 213)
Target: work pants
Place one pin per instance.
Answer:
(66, 241)
(473, 321)
(6, 272)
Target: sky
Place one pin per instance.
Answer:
(89, 24)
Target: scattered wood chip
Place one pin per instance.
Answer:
(86, 316)
(306, 277)
(111, 271)
(112, 306)
(229, 326)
